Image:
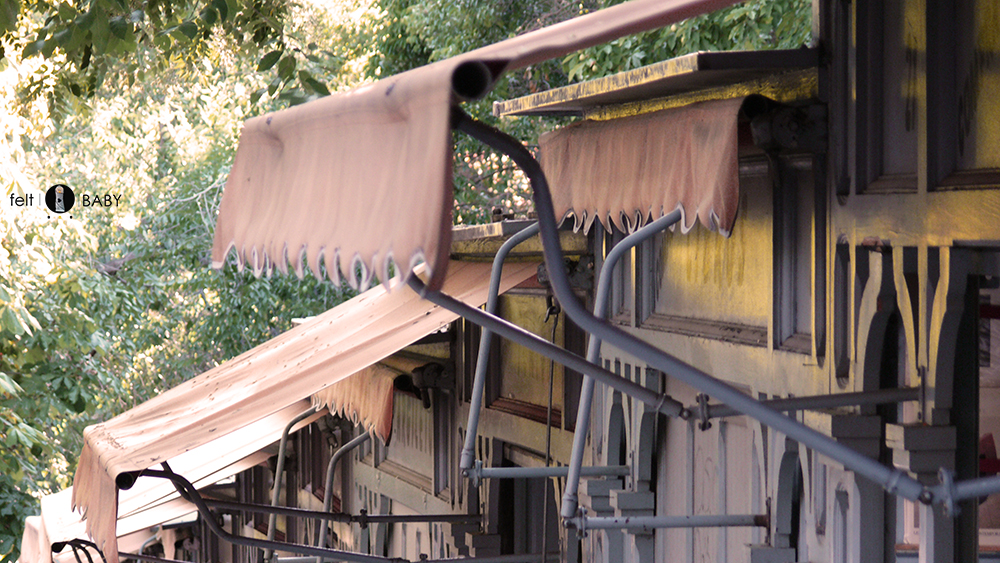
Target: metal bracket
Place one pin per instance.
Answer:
(947, 492)
(703, 415)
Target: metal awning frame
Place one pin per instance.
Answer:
(894, 481)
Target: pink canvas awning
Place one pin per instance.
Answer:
(363, 179)
(145, 505)
(684, 158)
(241, 406)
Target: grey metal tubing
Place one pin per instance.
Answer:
(861, 398)
(478, 472)
(328, 483)
(519, 558)
(150, 558)
(533, 342)
(278, 472)
(650, 523)
(601, 304)
(363, 518)
(277, 510)
(952, 492)
(209, 519)
(418, 518)
(892, 480)
(551, 471)
(485, 339)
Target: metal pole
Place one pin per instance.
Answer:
(601, 300)
(276, 510)
(485, 339)
(892, 480)
(553, 471)
(533, 342)
(140, 557)
(519, 558)
(650, 523)
(362, 518)
(860, 398)
(279, 470)
(328, 484)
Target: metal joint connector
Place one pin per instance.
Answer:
(703, 423)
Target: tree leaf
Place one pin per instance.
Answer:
(208, 16)
(189, 29)
(286, 68)
(308, 81)
(268, 60)
(9, 11)
(222, 7)
(66, 12)
(32, 48)
(9, 385)
(118, 27)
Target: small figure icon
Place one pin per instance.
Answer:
(59, 198)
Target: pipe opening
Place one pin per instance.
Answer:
(125, 481)
(471, 80)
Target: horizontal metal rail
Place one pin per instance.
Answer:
(209, 519)
(478, 472)
(364, 518)
(150, 558)
(650, 523)
(859, 399)
(518, 558)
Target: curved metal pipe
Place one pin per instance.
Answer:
(601, 305)
(328, 484)
(531, 341)
(279, 470)
(485, 339)
(893, 480)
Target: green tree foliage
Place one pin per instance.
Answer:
(87, 42)
(107, 308)
(752, 25)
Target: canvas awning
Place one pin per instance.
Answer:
(245, 403)
(684, 158)
(326, 179)
(150, 502)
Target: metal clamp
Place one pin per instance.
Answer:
(703, 422)
(362, 518)
(475, 473)
(947, 489)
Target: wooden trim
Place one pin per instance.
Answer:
(527, 410)
(408, 475)
(714, 330)
(893, 184)
(983, 178)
